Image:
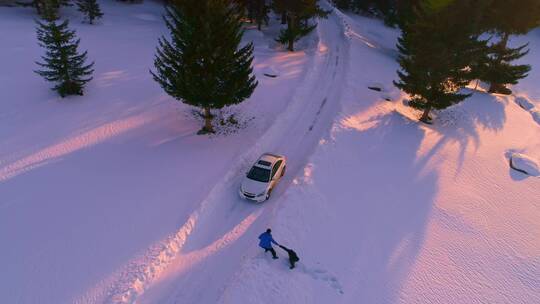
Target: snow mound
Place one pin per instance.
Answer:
(524, 102)
(524, 164)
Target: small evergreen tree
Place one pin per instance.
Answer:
(62, 63)
(436, 51)
(298, 14)
(91, 9)
(203, 64)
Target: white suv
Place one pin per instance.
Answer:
(263, 177)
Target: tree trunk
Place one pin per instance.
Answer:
(500, 87)
(260, 14)
(284, 17)
(208, 128)
(291, 25)
(290, 47)
(425, 116)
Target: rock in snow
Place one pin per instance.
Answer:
(524, 164)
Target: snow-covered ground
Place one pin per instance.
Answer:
(89, 184)
(111, 198)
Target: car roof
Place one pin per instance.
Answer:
(267, 160)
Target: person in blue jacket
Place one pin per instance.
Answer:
(266, 241)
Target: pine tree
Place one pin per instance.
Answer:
(495, 67)
(63, 64)
(203, 64)
(505, 18)
(298, 14)
(91, 9)
(436, 51)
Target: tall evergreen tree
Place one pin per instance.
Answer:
(91, 9)
(62, 64)
(436, 51)
(203, 64)
(298, 14)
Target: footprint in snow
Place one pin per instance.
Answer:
(315, 273)
(322, 275)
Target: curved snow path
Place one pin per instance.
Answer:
(196, 263)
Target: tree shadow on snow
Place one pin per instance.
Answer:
(461, 123)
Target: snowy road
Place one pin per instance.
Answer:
(197, 263)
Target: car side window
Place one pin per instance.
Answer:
(276, 168)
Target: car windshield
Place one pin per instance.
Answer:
(259, 174)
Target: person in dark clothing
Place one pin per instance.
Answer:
(266, 241)
(293, 257)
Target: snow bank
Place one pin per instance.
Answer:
(524, 164)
